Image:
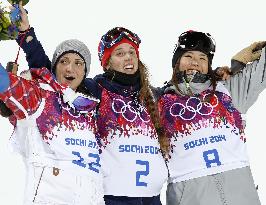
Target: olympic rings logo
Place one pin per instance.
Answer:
(129, 112)
(193, 106)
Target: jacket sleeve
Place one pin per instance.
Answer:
(246, 86)
(92, 88)
(35, 54)
(21, 96)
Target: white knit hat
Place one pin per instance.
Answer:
(72, 46)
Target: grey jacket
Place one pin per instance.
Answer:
(246, 85)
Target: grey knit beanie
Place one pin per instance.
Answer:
(72, 46)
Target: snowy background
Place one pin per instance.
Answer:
(233, 25)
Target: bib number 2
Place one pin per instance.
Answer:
(144, 172)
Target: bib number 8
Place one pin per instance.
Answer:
(211, 157)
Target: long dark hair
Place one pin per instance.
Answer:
(147, 98)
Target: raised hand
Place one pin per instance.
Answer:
(24, 21)
(250, 53)
(223, 73)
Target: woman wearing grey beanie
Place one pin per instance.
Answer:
(54, 129)
(55, 132)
